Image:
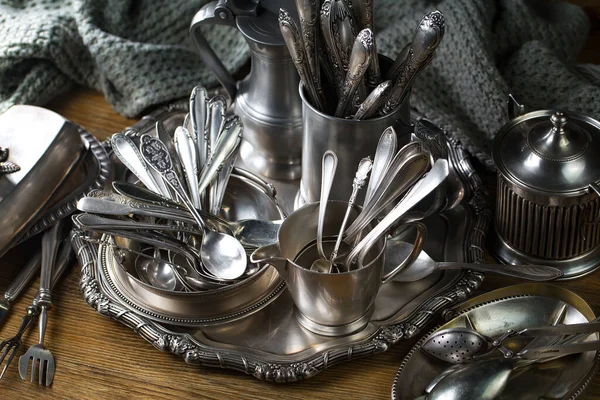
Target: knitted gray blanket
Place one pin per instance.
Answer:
(138, 53)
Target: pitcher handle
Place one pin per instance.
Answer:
(416, 250)
(218, 13)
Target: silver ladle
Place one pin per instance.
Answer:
(221, 254)
(329, 165)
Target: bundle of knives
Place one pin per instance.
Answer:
(336, 57)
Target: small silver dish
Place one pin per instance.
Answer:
(514, 307)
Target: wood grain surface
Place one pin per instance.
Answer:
(98, 358)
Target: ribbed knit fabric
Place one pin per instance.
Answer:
(138, 53)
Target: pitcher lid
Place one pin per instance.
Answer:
(264, 28)
(550, 151)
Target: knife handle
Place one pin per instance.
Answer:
(24, 276)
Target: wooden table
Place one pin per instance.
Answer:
(98, 358)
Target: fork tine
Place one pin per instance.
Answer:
(10, 358)
(41, 371)
(5, 351)
(50, 372)
(33, 362)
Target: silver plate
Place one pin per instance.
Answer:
(269, 344)
(514, 307)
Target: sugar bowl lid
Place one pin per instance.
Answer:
(549, 151)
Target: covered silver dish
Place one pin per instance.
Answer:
(548, 199)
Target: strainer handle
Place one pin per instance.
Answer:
(416, 250)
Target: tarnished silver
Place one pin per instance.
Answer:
(296, 46)
(330, 162)
(198, 118)
(224, 148)
(428, 36)
(359, 60)
(250, 232)
(93, 172)
(374, 100)
(359, 181)
(130, 156)
(531, 305)
(422, 188)
(363, 10)
(59, 149)
(7, 166)
(395, 68)
(401, 311)
(425, 265)
(167, 138)
(402, 174)
(38, 356)
(386, 149)
(350, 139)
(10, 346)
(339, 30)
(326, 304)
(221, 254)
(267, 99)
(186, 150)
(222, 181)
(308, 12)
(548, 198)
(18, 284)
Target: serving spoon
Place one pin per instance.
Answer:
(424, 266)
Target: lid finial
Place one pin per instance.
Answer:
(559, 119)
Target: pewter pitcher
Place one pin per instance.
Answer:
(330, 304)
(267, 100)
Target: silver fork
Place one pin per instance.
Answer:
(38, 353)
(12, 345)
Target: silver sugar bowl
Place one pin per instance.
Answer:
(548, 199)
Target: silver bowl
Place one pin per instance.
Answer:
(247, 196)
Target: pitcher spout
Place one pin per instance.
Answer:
(270, 254)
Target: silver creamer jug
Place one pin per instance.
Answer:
(267, 100)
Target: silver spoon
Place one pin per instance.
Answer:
(424, 266)
(250, 232)
(360, 59)
(364, 166)
(329, 165)
(225, 146)
(221, 254)
(384, 154)
(159, 275)
(186, 150)
(486, 379)
(399, 178)
(429, 183)
(198, 117)
(130, 156)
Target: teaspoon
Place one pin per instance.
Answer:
(221, 254)
(329, 165)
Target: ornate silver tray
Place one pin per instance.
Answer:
(530, 305)
(269, 344)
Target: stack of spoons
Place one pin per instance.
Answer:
(185, 174)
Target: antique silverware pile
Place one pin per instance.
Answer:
(473, 376)
(186, 175)
(352, 84)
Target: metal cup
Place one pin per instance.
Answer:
(328, 304)
(350, 139)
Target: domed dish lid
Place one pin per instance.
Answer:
(550, 151)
